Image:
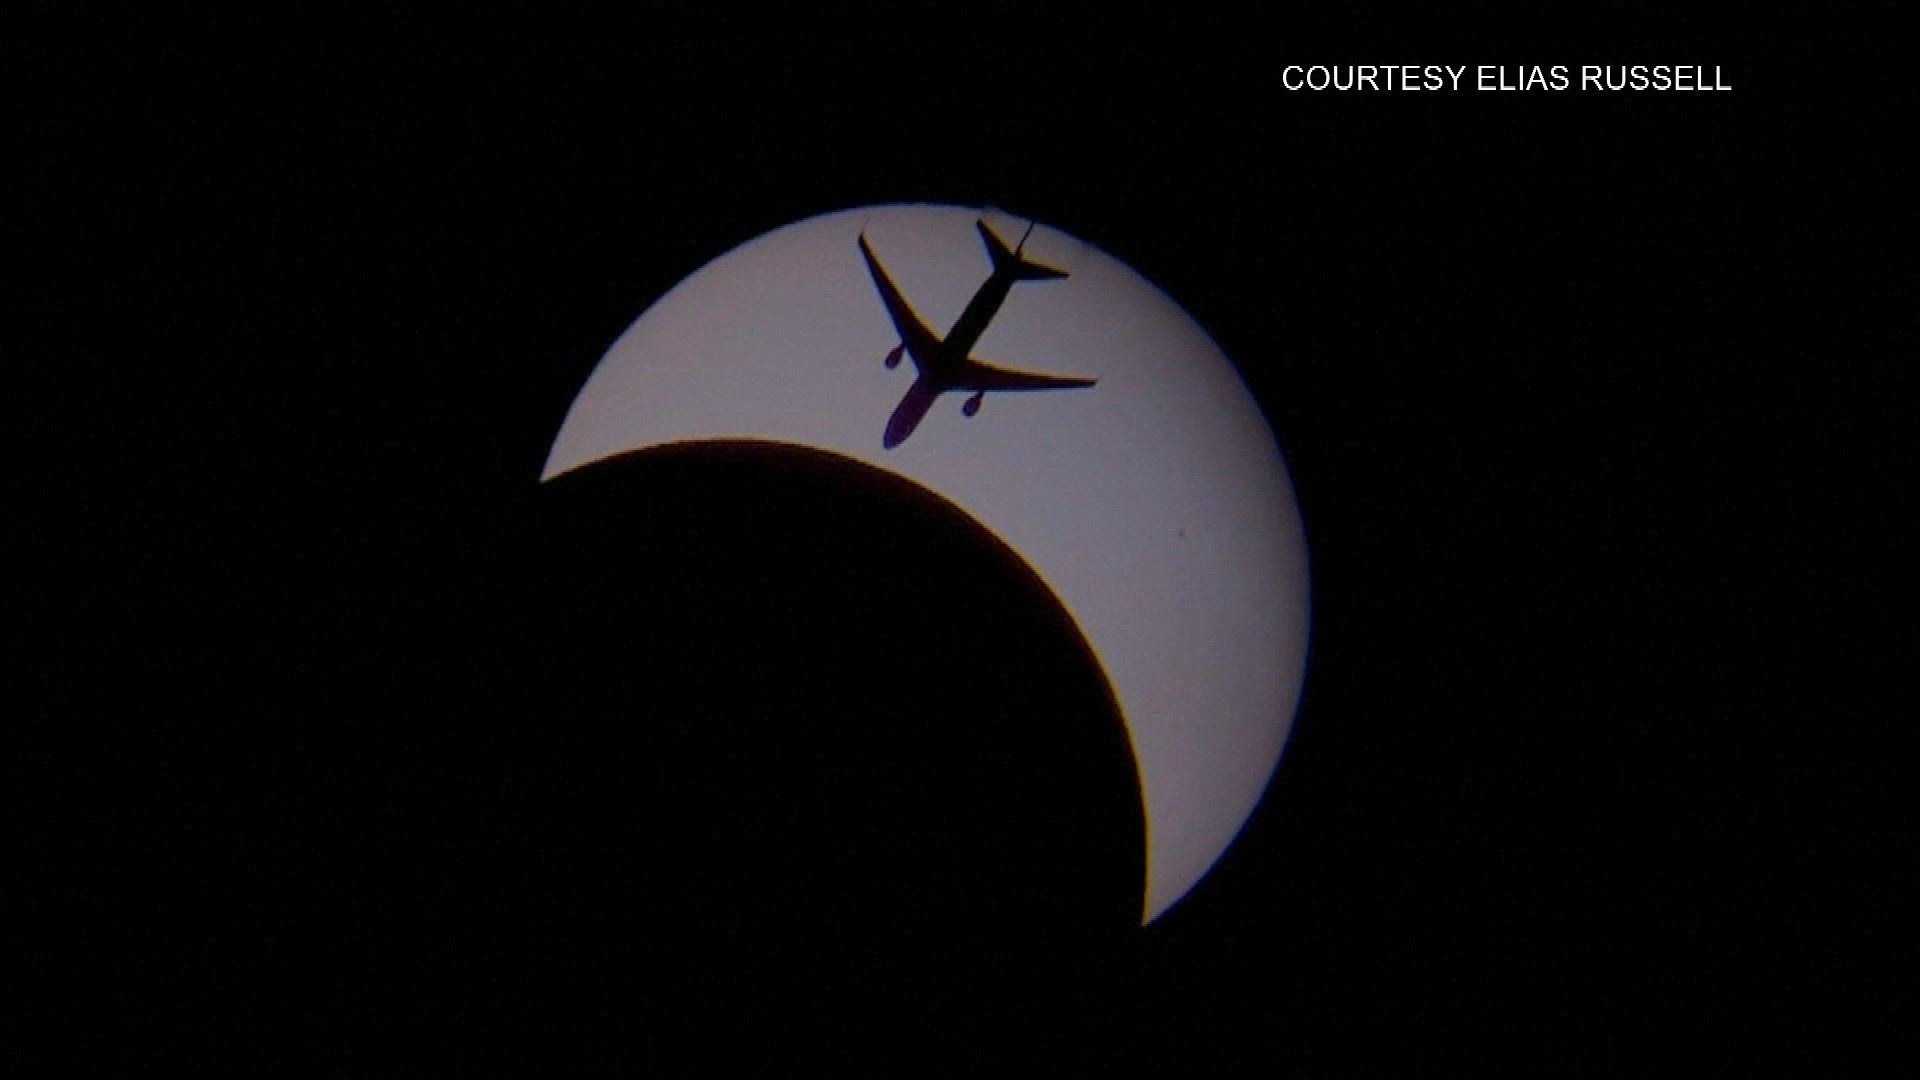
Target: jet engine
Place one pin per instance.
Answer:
(893, 358)
(972, 406)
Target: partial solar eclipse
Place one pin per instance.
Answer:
(1149, 493)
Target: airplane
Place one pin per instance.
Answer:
(943, 364)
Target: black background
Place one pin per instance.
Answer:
(1588, 400)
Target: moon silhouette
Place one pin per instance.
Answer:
(1155, 504)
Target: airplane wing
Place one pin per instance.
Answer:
(980, 375)
(920, 341)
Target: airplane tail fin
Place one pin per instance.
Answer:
(1006, 260)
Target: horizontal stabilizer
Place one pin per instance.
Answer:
(1008, 261)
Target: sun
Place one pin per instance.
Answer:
(1148, 493)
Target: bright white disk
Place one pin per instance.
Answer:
(1154, 504)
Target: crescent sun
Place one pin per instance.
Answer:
(1146, 490)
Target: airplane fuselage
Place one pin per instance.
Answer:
(959, 342)
(949, 359)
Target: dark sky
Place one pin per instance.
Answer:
(1589, 400)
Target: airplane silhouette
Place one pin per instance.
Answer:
(944, 364)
